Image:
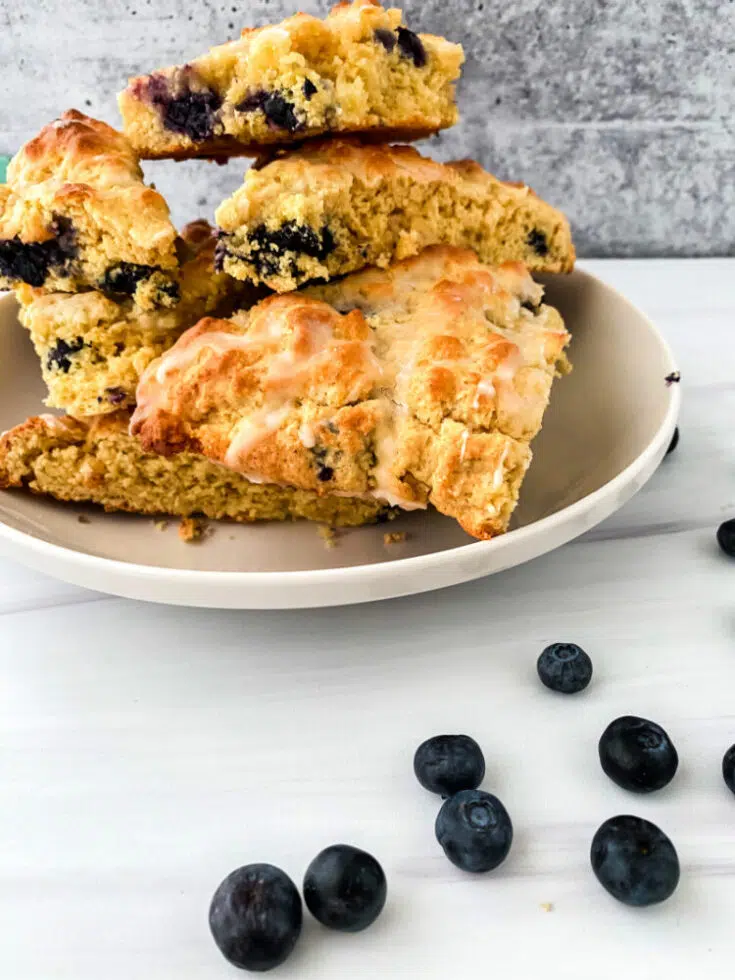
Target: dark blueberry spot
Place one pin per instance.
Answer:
(728, 768)
(119, 347)
(674, 441)
(411, 46)
(272, 244)
(281, 113)
(385, 37)
(325, 474)
(529, 305)
(672, 379)
(538, 241)
(331, 427)
(634, 861)
(309, 88)
(345, 888)
(59, 357)
(170, 289)
(564, 667)
(192, 114)
(30, 262)
(445, 764)
(474, 830)
(255, 917)
(116, 396)
(125, 276)
(637, 754)
(726, 537)
(252, 102)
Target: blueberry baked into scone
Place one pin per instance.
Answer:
(332, 207)
(96, 460)
(94, 347)
(419, 384)
(75, 214)
(359, 70)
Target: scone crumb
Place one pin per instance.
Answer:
(547, 906)
(328, 535)
(394, 537)
(192, 529)
(161, 524)
(83, 519)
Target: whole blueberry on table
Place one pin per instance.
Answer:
(728, 768)
(637, 754)
(726, 537)
(634, 861)
(255, 917)
(475, 830)
(445, 764)
(345, 888)
(564, 667)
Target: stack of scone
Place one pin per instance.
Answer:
(360, 334)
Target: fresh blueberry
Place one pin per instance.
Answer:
(726, 537)
(637, 754)
(475, 830)
(255, 917)
(344, 888)
(445, 764)
(411, 46)
(674, 441)
(728, 768)
(634, 861)
(564, 667)
(538, 241)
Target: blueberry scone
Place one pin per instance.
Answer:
(359, 70)
(94, 347)
(419, 384)
(75, 214)
(329, 208)
(95, 460)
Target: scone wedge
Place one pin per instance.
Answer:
(420, 384)
(75, 214)
(93, 348)
(96, 461)
(359, 70)
(332, 207)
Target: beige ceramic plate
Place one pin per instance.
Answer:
(605, 432)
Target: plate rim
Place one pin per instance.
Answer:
(595, 503)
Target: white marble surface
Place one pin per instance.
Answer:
(146, 751)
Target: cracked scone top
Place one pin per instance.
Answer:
(75, 214)
(423, 383)
(359, 70)
(93, 348)
(331, 207)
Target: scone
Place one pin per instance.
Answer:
(75, 214)
(97, 461)
(93, 348)
(423, 383)
(360, 70)
(329, 208)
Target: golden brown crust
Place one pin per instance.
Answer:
(78, 185)
(330, 75)
(331, 207)
(95, 460)
(423, 383)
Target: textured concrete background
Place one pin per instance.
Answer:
(622, 112)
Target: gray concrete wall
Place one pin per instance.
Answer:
(622, 112)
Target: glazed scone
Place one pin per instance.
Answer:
(75, 214)
(359, 70)
(93, 348)
(96, 460)
(423, 383)
(329, 208)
